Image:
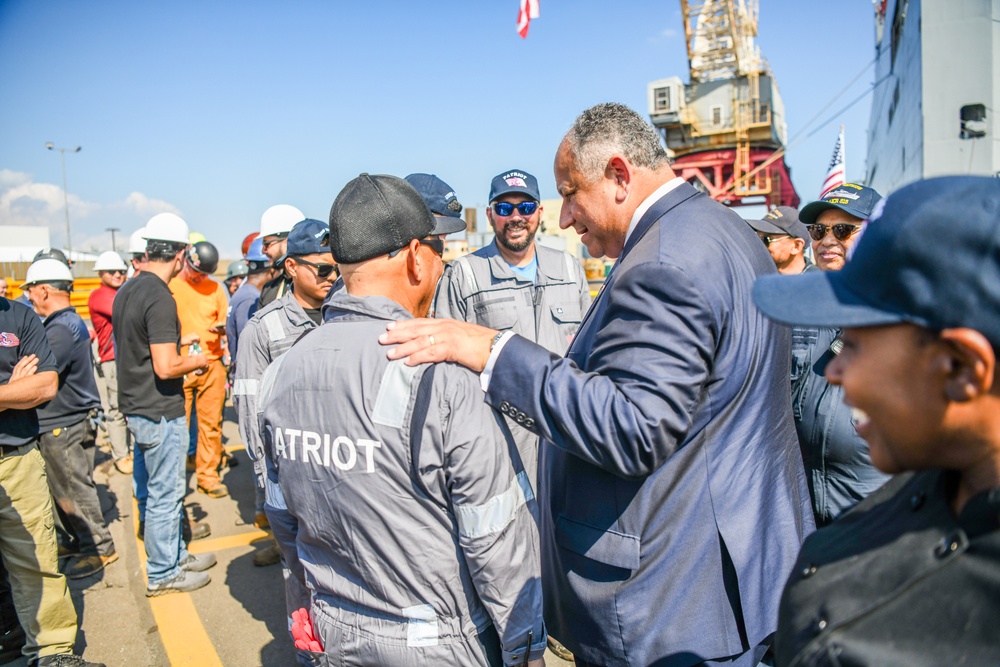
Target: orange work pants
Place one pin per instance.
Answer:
(209, 390)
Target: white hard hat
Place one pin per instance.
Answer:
(47, 271)
(279, 219)
(110, 261)
(166, 227)
(137, 242)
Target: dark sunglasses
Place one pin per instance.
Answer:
(323, 271)
(437, 245)
(505, 208)
(841, 231)
(117, 271)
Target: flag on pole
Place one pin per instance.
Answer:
(528, 11)
(835, 174)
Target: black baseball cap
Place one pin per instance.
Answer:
(374, 215)
(853, 199)
(441, 200)
(783, 220)
(515, 180)
(929, 256)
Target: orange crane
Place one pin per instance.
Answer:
(725, 126)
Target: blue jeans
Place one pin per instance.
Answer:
(163, 445)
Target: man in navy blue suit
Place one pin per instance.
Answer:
(670, 481)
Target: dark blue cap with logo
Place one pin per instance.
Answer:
(514, 180)
(929, 256)
(784, 221)
(441, 200)
(851, 198)
(308, 237)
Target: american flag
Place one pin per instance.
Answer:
(528, 11)
(835, 174)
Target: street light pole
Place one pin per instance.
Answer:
(62, 153)
(114, 246)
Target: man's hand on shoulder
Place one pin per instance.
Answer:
(425, 340)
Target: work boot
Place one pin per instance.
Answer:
(124, 465)
(184, 582)
(198, 563)
(90, 565)
(65, 660)
(196, 530)
(217, 491)
(269, 555)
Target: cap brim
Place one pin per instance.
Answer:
(766, 227)
(816, 299)
(444, 224)
(809, 214)
(518, 190)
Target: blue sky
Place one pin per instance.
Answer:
(217, 110)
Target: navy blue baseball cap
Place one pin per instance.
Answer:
(308, 237)
(515, 180)
(929, 256)
(853, 199)
(783, 220)
(441, 200)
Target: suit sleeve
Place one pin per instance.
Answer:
(647, 367)
(448, 299)
(496, 513)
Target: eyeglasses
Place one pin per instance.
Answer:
(768, 240)
(505, 208)
(323, 271)
(116, 271)
(437, 245)
(841, 231)
(271, 240)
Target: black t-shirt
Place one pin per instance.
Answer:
(315, 315)
(144, 314)
(21, 334)
(70, 342)
(274, 288)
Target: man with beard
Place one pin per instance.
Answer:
(514, 283)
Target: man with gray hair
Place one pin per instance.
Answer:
(671, 486)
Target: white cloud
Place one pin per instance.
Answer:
(25, 202)
(669, 32)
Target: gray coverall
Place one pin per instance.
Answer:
(419, 550)
(267, 336)
(481, 288)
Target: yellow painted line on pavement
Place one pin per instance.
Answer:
(183, 635)
(235, 448)
(229, 542)
(181, 631)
